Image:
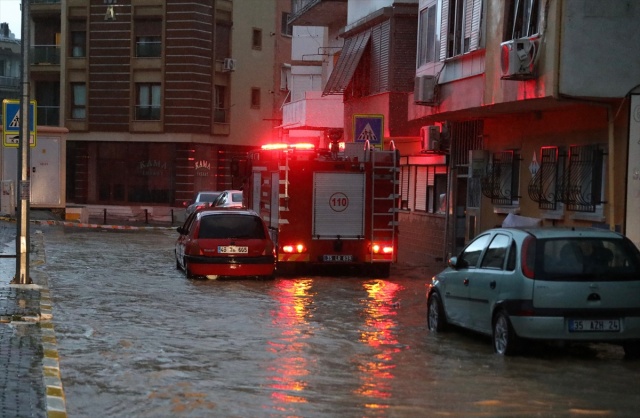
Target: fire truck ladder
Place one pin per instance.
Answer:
(384, 194)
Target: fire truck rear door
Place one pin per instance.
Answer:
(338, 205)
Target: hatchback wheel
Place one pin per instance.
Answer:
(436, 319)
(505, 340)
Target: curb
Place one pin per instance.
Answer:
(101, 226)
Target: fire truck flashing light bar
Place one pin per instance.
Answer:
(303, 146)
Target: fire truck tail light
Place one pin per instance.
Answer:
(294, 249)
(381, 248)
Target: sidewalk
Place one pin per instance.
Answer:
(29, 367)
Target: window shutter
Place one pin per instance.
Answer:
(476, 18)
(444, 28)
(421, 188)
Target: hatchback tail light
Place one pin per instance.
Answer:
(528, 257)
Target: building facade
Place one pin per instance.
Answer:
(497, 107)
(161, 98)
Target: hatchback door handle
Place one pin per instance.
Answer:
(492, 284)
(465, 282)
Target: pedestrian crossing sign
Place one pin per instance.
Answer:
(368, 128)
(11, 123)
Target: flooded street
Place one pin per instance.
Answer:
(137, 339)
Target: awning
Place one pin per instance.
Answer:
(347, 62)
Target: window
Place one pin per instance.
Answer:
(424, 188)
(496, 252)
(583, 189)
(78, 101)
(502, 183)
(544, 187)
(78, 44)
(471, 254)
(429, 40)
(285, 78)
(220, 111)
(256, 39)
(255, 98)
(223, 41)
(522, 19)
(461, 27)
(148, 34)
(285, 27)
(148, 101)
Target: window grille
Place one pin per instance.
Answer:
(583, 181)
(546, 184)
(501, 183)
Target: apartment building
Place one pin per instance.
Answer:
(521, 107)
(9, 63)
(160, 98)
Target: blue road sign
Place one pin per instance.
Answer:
(11, 123)
(368, 128)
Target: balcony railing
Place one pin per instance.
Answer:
(48, 115)
(45, 54)
(9, 81)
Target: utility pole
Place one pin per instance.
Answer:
(24, 186)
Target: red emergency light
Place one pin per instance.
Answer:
(282, 146)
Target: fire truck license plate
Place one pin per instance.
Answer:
(343, 258)
(233, 249)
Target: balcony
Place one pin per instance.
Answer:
(318, 13)
(314, 112)
(45, 55)
(48, 115)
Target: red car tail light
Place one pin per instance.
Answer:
(528, 257)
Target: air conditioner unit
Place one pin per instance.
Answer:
(430, 138)
(229, 64)
(518, 58)
(424, 90)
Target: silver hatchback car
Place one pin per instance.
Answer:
(561, 284)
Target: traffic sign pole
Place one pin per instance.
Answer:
(22, 235)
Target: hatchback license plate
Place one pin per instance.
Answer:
(233, 249)
(339, 258)
(594, 325)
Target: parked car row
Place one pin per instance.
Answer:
(512, 284)
(554, 284)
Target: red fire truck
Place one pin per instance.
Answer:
(324, 208)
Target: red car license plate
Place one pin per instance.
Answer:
(232, 249)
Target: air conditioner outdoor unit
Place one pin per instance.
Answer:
(229, 64)
(424, 90)
(518, 58)
(430, 138)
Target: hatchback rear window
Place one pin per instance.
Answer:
(231, 226)
(586, 259)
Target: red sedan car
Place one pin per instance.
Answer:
(224, 243)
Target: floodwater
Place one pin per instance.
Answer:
(137, 339)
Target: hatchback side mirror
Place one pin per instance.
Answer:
(180, 230)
